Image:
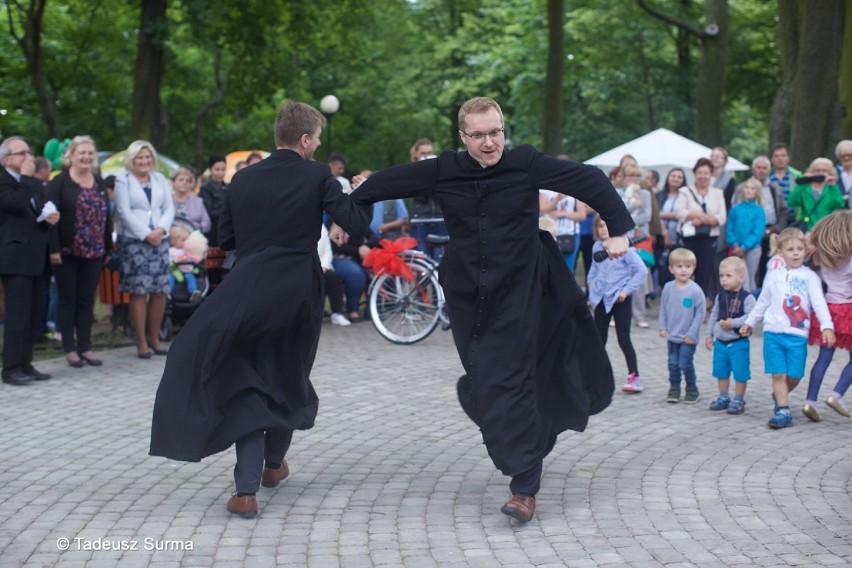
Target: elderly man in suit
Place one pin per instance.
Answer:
(23, 258)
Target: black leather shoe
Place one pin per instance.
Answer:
(18, 378)
(30, 371)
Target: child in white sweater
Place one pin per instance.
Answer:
(785, 303)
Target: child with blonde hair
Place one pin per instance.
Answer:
(832, 241)
(746, 227)
(681, 314)
(785, 304)
(730, 349)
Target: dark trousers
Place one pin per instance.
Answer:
(704, 249)
(528, 482)
(622, 314)
(586, 243)
(76, 281)
(334, 291)
(24, 297)
(252, 450)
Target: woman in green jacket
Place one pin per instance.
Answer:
(817, 199)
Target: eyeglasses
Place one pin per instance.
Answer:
(843, 156)
(480, 136)
(21, 153)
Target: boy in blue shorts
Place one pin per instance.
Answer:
(681, 313)
(785, 303)
(731, 354)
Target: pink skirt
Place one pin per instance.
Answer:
(841, 316)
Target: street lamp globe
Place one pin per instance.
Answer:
(329, 104)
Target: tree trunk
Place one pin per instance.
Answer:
(845, 82)
(711, 69)
(816, 107)
(552, 127)
(148, 120)
(711, 73)
(29, 41)
(684, 114)
(789, 19)
(214, 100)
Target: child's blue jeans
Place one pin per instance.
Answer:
(680, 359)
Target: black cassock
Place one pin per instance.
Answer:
(535, 365)
(242, 361)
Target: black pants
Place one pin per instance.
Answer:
(622, 314)
(24, 297)
(528, 482)
(334, 291)
(76, 281)
(252, 450)
(586, 242)
(704, 249)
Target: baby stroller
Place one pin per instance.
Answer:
(181, 303)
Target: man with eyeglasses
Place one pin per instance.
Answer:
(23, 259)
(520, 322)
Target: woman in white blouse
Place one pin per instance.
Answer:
(145, 210)
(700, 212)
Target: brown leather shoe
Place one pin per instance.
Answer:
(272, 477)
(521, 506)
(245, 506)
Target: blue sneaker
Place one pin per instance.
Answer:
(737, 406)
(721, 403)
(782, 418)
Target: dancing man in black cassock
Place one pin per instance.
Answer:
(520, 322)
(238, 373)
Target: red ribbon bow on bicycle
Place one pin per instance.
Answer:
(385, 259)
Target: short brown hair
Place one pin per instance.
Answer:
(295, 119)
(477, 105)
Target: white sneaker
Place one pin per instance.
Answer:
(633, 384)
(643, 324)
(339, 319)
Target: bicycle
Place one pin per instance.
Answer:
(407, 311)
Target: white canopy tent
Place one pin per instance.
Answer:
(661, 150)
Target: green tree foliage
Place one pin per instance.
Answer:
(400, 68)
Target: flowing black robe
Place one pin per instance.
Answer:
(243, 360)
(534, 363)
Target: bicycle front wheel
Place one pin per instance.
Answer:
(405, 312)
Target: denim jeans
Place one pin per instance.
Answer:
(354, 281)
(420, 230)
(680, 359)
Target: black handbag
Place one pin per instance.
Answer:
(566, 243)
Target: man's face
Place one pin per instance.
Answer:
(217, 172)
(20, 158)
(313, 143)
(780, 159)
(337, 168)
(760, 170)
(483, 136)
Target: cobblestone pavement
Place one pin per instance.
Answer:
(395, 475)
